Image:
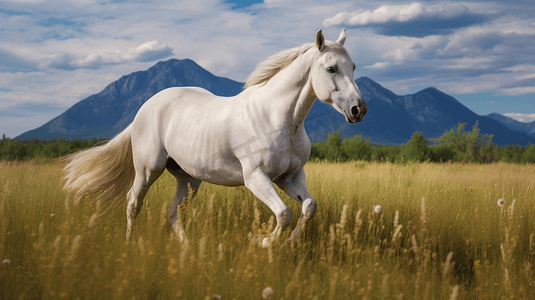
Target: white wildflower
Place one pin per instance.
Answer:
(268, 292)
(377, 209)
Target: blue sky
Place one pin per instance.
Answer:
(56, 53)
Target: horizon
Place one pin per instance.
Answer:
(53, 56)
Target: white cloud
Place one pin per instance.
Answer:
(397, 13)
(384, 14)
(378, 65)
(518, 91)
(415, 19)
(526, 118)
(146, 52)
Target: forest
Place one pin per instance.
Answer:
(13, 149)
(455, 145)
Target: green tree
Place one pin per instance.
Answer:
(383, 153)
(13, 149)
(317, 151)
(441, 153)
(469, 146)
(356, 148)
(512, 154)
(416, 148)
(334, 148)
(529, 155)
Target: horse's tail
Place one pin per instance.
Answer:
(103, 172)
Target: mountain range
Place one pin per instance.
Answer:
(391, 119)
(528, 128)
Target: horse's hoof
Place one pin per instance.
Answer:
(256, 240)
(262, 242)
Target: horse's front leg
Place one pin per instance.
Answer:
(295, 186)
(259, 183)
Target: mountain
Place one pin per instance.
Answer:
(527, 128)
(391, 118)
(107, 113)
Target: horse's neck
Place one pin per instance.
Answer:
(289, 94)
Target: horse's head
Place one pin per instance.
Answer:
(332, 79)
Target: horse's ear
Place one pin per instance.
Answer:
(320, 40)
(342, 38)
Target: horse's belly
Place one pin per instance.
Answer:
(223, 177)
(214, 170)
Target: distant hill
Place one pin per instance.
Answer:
(107, 113)
(391, 119)
(527, 128)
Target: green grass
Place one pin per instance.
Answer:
(457, 242)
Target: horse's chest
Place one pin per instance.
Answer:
(275, 152)
(283, 157)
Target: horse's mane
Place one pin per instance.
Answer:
(267, 69)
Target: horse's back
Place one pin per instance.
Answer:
(174, 95)
(165, 104)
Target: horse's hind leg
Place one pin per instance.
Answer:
(185, 184)
(147, 171)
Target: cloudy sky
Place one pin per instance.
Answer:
(54, 53)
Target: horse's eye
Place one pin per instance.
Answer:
(331, 70)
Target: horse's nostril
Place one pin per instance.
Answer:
(355, 110)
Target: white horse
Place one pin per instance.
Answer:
(255, 139)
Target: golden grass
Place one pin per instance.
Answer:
(440, 235)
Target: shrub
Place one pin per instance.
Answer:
(470, 146)
(441, 153)
(356, 148)
(529, 155)
(416, 148)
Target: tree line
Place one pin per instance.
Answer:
(455, 145)
(13, 149)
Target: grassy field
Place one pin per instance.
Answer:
(440, 234)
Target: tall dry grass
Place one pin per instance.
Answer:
(439, 234)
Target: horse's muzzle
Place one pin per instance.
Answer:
(357, 113)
